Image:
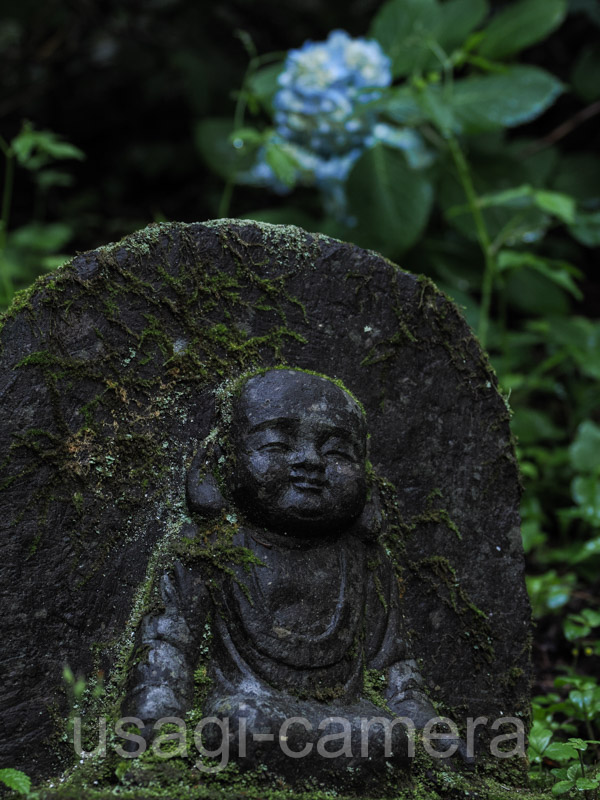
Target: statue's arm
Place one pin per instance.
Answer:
(162, 681)
(405, 694)
(161, 684)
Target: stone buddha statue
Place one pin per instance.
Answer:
(303, 602)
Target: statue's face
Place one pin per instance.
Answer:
(300, 447)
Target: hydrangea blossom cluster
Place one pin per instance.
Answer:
(323, 87)
(323, 121)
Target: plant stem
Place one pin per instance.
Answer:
(487, 285)
(238, 120)
(255, 63)
(581, 764)
(582, 767)
(225, 201)
(589, 729)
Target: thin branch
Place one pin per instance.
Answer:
(564, 129)
(487, 286)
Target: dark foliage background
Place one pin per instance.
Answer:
(127, 81)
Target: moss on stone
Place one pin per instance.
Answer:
(374, 685)
(438, 572)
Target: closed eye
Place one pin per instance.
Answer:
(274, 447)
(340, 454)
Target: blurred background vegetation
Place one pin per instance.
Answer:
(117, 114)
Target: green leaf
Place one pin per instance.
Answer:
(579, 681)
(283, 164)
(213, 140)
(46, 178)
(584, 452)
(578, 744)
(59, 149)
(436, 105)
(401, 105)
(592, 618)
(560, 773)
(581, 338)
(555, 203)
(586, 701)
(550, 592)
(586, 229)
(243, 136)
(587, 549)
(406, 30)
(41, 238)
(35, 148)
(531, 426)
(391, 201)
(583, 784)
(517, 197)
(558, 272)
(574, 771)
(263, 84)
(16, 780)
(584, 76)
(562, 787)
(573, 630)
(533, 293)
(457, 19)
(520, 25)
(559, 751)
(586, 493)
(539, 739)
(531, 532)
(493, 172)
(506, 99)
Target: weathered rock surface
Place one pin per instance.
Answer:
(108, 373)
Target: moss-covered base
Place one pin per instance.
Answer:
(444, 786)
(164, 772)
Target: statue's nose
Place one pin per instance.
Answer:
(308, 456)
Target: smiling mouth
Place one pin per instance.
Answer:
(306, 485)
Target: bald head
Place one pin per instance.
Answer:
(299, 442)
(292, 394)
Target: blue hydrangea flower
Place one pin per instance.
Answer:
(324, 120)
(323, 87)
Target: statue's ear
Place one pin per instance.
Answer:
(371, 523)
(202, 490)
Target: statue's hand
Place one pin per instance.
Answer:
(407, 698)
(458, 748)
(202, 490)
(466, 757)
